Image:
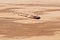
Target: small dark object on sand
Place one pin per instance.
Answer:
(36, 17)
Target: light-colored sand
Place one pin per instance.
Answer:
(50, 16)
(47, 15)
(46, 28)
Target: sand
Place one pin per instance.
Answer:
(15, 27)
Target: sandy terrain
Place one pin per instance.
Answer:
(13, 26)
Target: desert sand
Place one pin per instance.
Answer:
(13, 26)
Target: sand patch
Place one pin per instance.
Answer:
(50, 16)
(30, 21)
